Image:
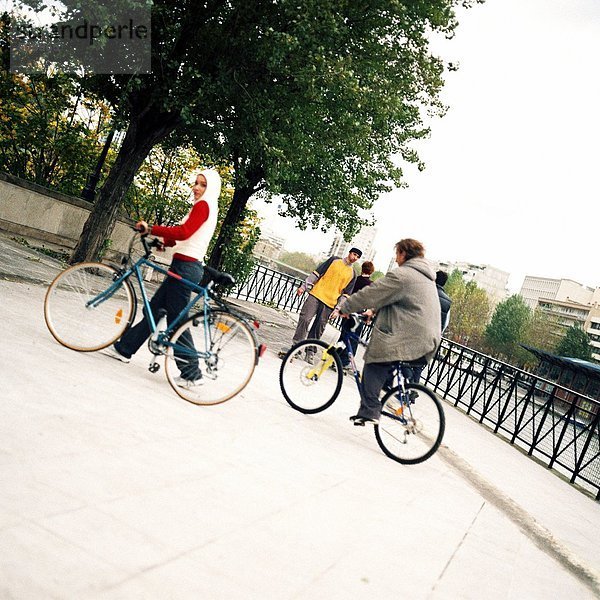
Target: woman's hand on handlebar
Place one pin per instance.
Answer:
(142, 227)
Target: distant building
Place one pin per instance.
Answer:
(592, 328)
(363, 240)
(492, 280)
(563, 290)
(564, 314)
(269, 247)
(568, 303)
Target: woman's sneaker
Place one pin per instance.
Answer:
(114, 353)
(189, 383)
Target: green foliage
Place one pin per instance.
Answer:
(162, 187)
(50, 131)
(237, 256)
(470, 310)
(312, 100)
(539, 332)
(575, 344)
(377, 275)
(299, 260)
(508, 327)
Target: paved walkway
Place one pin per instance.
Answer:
(113, 487)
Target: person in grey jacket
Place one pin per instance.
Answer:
(407, 326)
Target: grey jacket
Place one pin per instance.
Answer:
(408, 325)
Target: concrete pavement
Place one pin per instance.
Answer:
(113, 487)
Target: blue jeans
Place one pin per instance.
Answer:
(172, 296)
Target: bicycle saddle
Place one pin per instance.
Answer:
(219, 277)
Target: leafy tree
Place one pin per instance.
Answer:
(238, 259)
(508, 326)
(308, 99)
(50, 132)
(377, 275)
(575, 344)
(470, 310)
(299, 260)
(539, 331)
(161, 190)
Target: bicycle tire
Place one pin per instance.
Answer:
(310, 387)
(75, 324)
(226, 355)
(410, 433)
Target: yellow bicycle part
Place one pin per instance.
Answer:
(325, 362)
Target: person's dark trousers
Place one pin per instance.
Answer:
(173, 296)
(412, 373)
(374, 376)
(346, 325)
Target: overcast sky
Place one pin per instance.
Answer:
(512, 169)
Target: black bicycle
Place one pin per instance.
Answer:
(412, 422)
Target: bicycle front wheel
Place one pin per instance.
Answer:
(411, 425)
(209, 362)
(83, 312)
(311, 376)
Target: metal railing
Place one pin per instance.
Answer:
(558, 426)
(270, 287)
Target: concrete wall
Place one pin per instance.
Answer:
(36, 213)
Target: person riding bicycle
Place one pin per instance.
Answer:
(407, 327)
(191, 239)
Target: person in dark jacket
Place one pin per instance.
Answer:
(440, 281)
(362, 281)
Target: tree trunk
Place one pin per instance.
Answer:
(230, 222)
(234, 215)
(144, 132)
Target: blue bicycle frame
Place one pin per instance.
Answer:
(163, 336)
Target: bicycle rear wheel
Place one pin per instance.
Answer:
(80, 325)
(411, 429)
(223, 350)
(311, 376)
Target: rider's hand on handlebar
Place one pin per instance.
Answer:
(142, 227)
(369, 313)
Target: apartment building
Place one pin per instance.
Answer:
(363, 240)
(569, 303)
(494, 281)
(269, 247)
(592, 328)
(566, 290)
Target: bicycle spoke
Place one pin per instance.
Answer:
(411, 425)
(78, 324)
(221, 353)
(310, 376)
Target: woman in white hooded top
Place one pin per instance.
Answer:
(191, 239)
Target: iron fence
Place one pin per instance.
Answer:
(558, 426)
(270, 287)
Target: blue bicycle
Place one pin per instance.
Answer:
(90, 305)
(412, 421)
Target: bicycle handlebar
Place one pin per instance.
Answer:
(357, 318)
